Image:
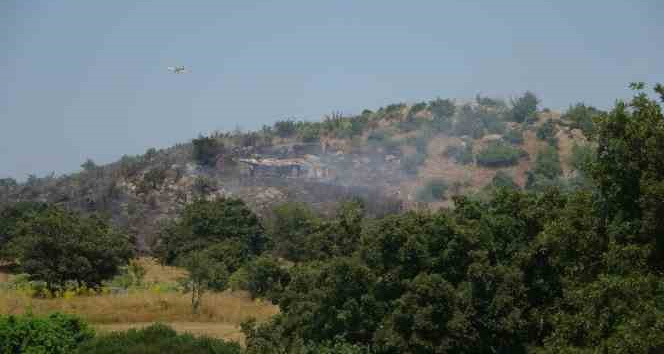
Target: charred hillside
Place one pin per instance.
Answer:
(399, 157)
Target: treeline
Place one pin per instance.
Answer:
(546, 270)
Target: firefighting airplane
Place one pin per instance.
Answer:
(177, 69)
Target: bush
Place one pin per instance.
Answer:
(514, 136)
(582, 156)
(469, 123)
(548, 131)
(309, 132)
(462, 154)
(53, 334)
(206, 150)
(524, 108)
(503, 180)
(433, 190)
(494, 125)
(499, 154)
(547, 163)
(156, 339)
(442, 109)
(285, 128)
(581, 117)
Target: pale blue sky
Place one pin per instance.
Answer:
(88, 78)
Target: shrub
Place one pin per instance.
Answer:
(285, 128)
(581, 117)
(514, 136)
(206, 150)
(53, 334)
(503, 180)
(548, 131)
(377, 136)
(309, 132)
(433, 190)
(156, 339)
(494, 125)
(547, 163)
(469, 123)
(582, 156)
(462, 154)
(524, 108)
(442, 109)
(499, 154)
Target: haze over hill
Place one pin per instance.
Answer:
(403, 156)
(84, 80)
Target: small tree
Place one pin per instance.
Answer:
(206, 150)
(524, 108)
(204, 274)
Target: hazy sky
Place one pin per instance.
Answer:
(87, 78)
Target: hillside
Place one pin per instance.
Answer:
(402, 156)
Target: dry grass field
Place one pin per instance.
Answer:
(220, 314)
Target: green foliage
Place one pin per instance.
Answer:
(290, 228)
(206, 150)
(11, 218)
(433, 190)
(524, 108)
(205, 223)
(56, 246)
(53, 334)
(204, 273)
(546, 172)
(547, 163)
(514, 136)
(462, 153)
(89, 165)
(469, 123)
(582, 157)
(442, 108)
(498, 154)
(265, 277)
(131, 275)
(503, 180)
(308, 132)
(581, 117)
(153, 179)
(156, 339)
(548, 131)
(285, 128)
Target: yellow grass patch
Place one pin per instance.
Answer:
(143, 306)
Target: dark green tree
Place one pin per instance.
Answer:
(205, 223)
(206, 150)
(524, 108)
(56, 246)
